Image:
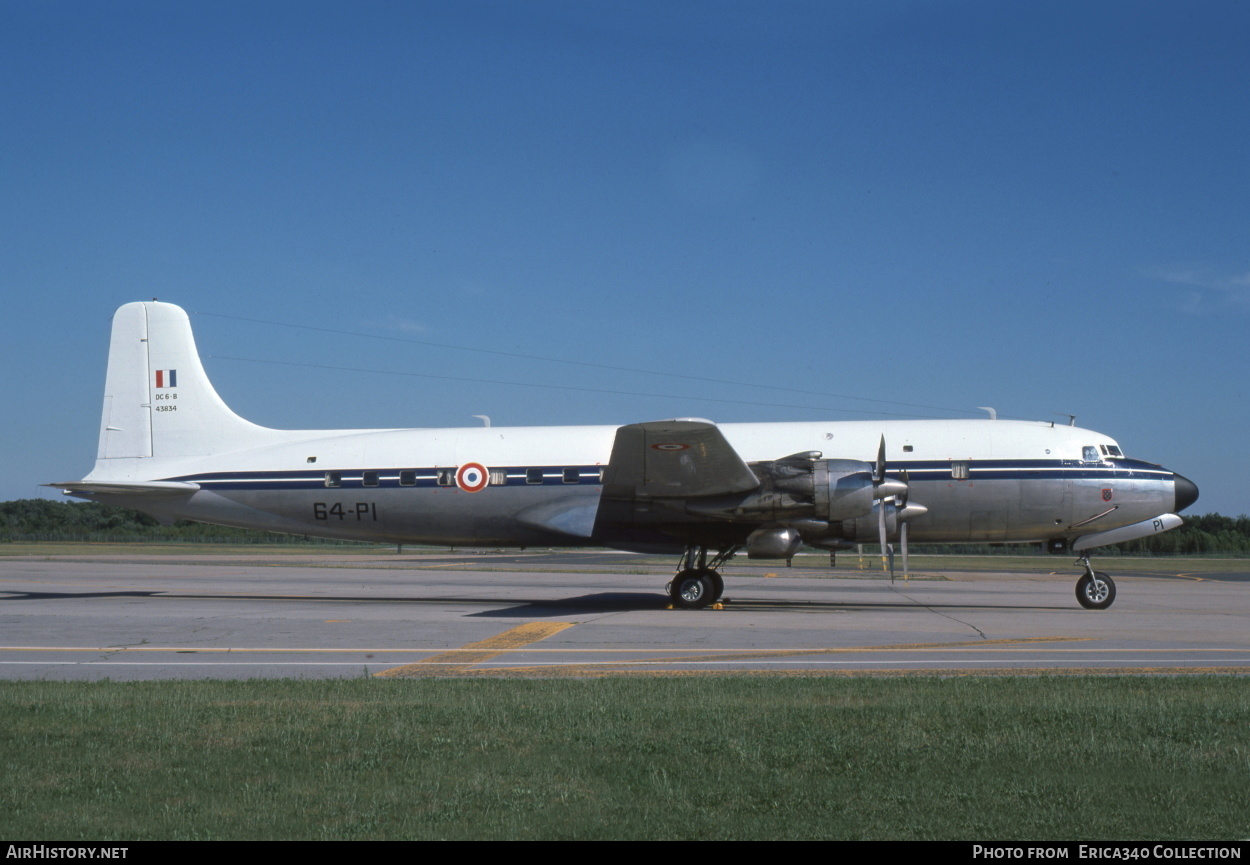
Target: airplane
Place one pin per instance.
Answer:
(170, 446)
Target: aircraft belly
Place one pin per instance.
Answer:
(431, 516)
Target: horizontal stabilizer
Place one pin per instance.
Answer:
(116, 488)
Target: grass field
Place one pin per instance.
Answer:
(974, 759)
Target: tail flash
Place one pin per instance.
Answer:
(158, 401)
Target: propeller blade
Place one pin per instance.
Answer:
(883, 487)
(881, 534)
(902, 536)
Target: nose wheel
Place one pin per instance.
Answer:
(1094, 590)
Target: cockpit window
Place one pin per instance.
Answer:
(1089, 453)
(1113, 451)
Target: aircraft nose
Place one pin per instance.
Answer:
(1186, 492)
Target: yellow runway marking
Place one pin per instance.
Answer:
(458, 660)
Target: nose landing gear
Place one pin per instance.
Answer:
(1094, 590)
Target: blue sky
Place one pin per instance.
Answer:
(1037, 207)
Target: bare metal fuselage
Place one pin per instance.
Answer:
(995, 481)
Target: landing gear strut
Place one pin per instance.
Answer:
(1094, 590)
(697, 583)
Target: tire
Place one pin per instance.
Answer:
(1095, 593)
(693, 590)
(718, 585)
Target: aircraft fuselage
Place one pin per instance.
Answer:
(981, 480)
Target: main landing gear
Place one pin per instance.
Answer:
(1094, 590)
(697, 583)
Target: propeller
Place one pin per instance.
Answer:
(878, 478)
(902, 526)
(887, 488)
(883, 487)
(905, 513)
(881, 533)
(882, 490)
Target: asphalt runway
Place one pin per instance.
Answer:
(586, 614)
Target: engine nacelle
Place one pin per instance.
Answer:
(801, 488)
(776, 543)
(843, 489)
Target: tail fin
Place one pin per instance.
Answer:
(158, 401)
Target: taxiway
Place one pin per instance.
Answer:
(589, 614)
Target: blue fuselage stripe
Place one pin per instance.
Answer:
(929, 470)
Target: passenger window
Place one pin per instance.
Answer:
(369, 479)
(959, 470)
(572, 476)
(446, 477)
(498, 477)
(533, 476)
(408, 478)
(334, 479)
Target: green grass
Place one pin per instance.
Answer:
(969, 758)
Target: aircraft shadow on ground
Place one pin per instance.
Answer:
(600, 602)
(61, 596)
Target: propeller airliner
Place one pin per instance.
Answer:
(170, 446)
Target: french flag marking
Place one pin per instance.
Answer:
(167, 378)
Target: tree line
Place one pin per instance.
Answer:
(51, 520)
(57, 521)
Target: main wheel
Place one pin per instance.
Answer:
(718, 585)
(693, 590)
(1096, 592)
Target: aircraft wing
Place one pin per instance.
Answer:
(684, 458)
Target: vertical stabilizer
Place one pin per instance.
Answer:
(158, 401)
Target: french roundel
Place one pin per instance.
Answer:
(669, 446)
(472, 477)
